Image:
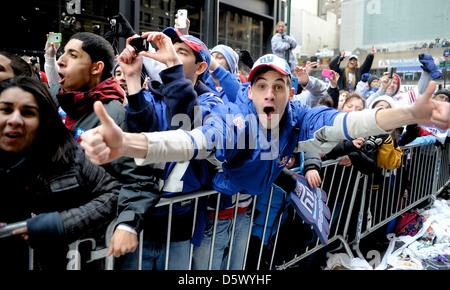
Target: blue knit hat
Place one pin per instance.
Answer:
(443, 92)
(231, 57)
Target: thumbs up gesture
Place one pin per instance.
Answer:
(104, 143)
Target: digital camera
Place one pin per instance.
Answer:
(369, 145)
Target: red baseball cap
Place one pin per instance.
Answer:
(277, 63)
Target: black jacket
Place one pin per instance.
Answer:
(365, 162)
(140, 180)
(71, 202)
(365, 68)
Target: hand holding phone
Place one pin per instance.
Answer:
(391, 72)
(314, 59)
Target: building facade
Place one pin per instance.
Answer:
(240, 24)
(393, 25)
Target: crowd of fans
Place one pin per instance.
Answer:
(174, 97)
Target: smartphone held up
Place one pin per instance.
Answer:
(139, 44)
(182, 18)
(391, 72)
(326, 73)
(54, 38)
(314, 59)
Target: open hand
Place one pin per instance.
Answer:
(302, 75)
(430, 112)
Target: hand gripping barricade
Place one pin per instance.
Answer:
(310, 204)
(8, 229)
(96, 253)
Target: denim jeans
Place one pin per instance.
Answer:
(222, 244)
(154, 257)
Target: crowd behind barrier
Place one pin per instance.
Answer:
(358, 207)
(359, 203)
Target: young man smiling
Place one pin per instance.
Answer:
(284, 126)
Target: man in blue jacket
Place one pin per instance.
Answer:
(255, 137)
(186, 58)
(155, 110)
(223, 79)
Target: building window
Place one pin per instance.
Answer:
(241, 31)
(164, 11)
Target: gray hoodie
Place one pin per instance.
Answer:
(281, 43)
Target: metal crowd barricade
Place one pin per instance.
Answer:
(358, 207)
(425, 169)
(341, 185)
(423, 174)
(170, 203)
(443, 170)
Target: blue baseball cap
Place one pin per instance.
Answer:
(271, 60)
(193, 42)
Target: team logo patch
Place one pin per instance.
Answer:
(78, 134)
(239, 122)
(62, 114)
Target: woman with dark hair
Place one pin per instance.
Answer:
(46, 180)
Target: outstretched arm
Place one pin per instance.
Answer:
(424, 111)
(108, 142)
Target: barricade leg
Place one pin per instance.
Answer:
(360, 220)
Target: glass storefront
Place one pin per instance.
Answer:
(156, 15)
(241, 31)
(236, 28)
(30, 22)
